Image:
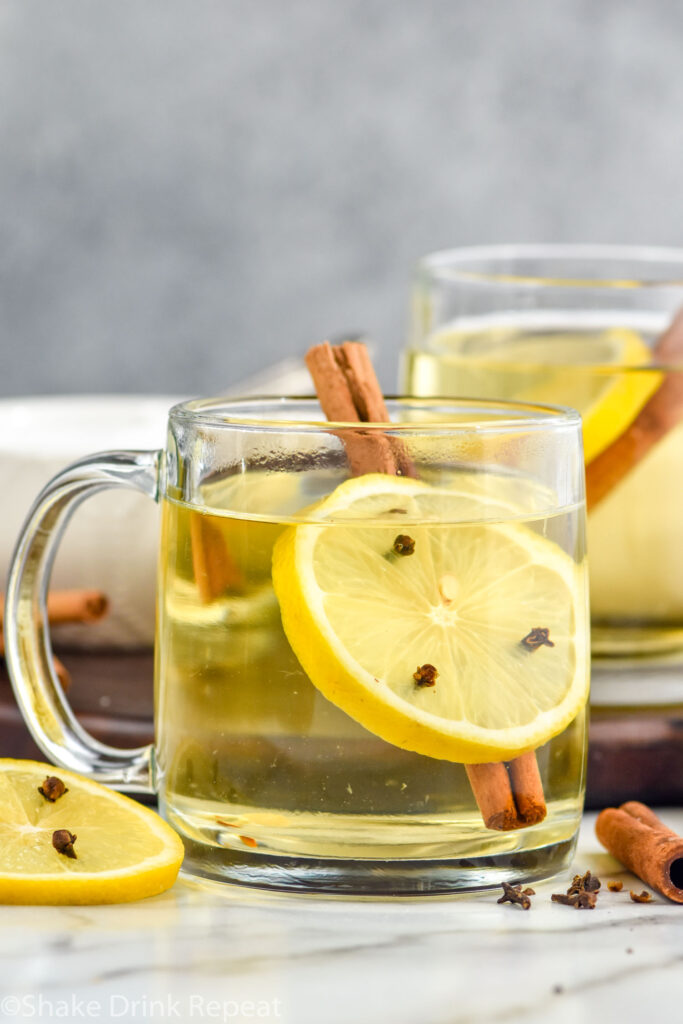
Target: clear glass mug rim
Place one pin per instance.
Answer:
(233, 413)
(461, 264)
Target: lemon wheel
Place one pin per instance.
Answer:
(122, 851)
(424, 647)
(606, 374)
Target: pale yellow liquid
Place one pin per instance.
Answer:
(635, 535)
(256, 766)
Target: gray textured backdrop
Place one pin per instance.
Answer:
(189, 188)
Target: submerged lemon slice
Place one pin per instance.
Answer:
(123, 850)
(607, 375)
(363, 619)
(608, 400)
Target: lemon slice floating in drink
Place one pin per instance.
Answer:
(424, 646)
(121, 850)
(606, 374)
(608, 399)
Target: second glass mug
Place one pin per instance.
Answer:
(600, 329)
(332, 651)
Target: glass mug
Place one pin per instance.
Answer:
(331, 649)
(594, 328)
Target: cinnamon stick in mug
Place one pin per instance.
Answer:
(349, 392)
(659, 415)
(214, 569)
(508, 797)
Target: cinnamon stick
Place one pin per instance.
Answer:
(61, 672)
(659, 415)
(72, 606)
(214, 568)
(65, 607)
(508, 797)
(348, 392)
(527, 788)
(634, 835)
(492, 790)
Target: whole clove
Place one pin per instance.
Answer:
(63, 842)
(425, 675)
(52, 788)
(582, 894)
(515, 894)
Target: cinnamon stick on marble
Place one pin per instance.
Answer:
(509, 796)
(659, 415)
(634, 835)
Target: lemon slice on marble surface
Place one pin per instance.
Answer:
(123, 851)
(363, 619)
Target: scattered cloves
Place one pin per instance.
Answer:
(579, 900)
(584, 883)
(615, 886)
(582, 894)
(52, 788)
(63, 842)
(641, 897)
(515, 894)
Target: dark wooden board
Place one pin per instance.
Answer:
(633, 755)
(112, 695)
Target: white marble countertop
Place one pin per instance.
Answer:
(209, 952)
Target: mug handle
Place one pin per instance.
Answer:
(28, 650)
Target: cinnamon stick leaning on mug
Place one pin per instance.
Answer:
(659, 415)
(510, 796)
